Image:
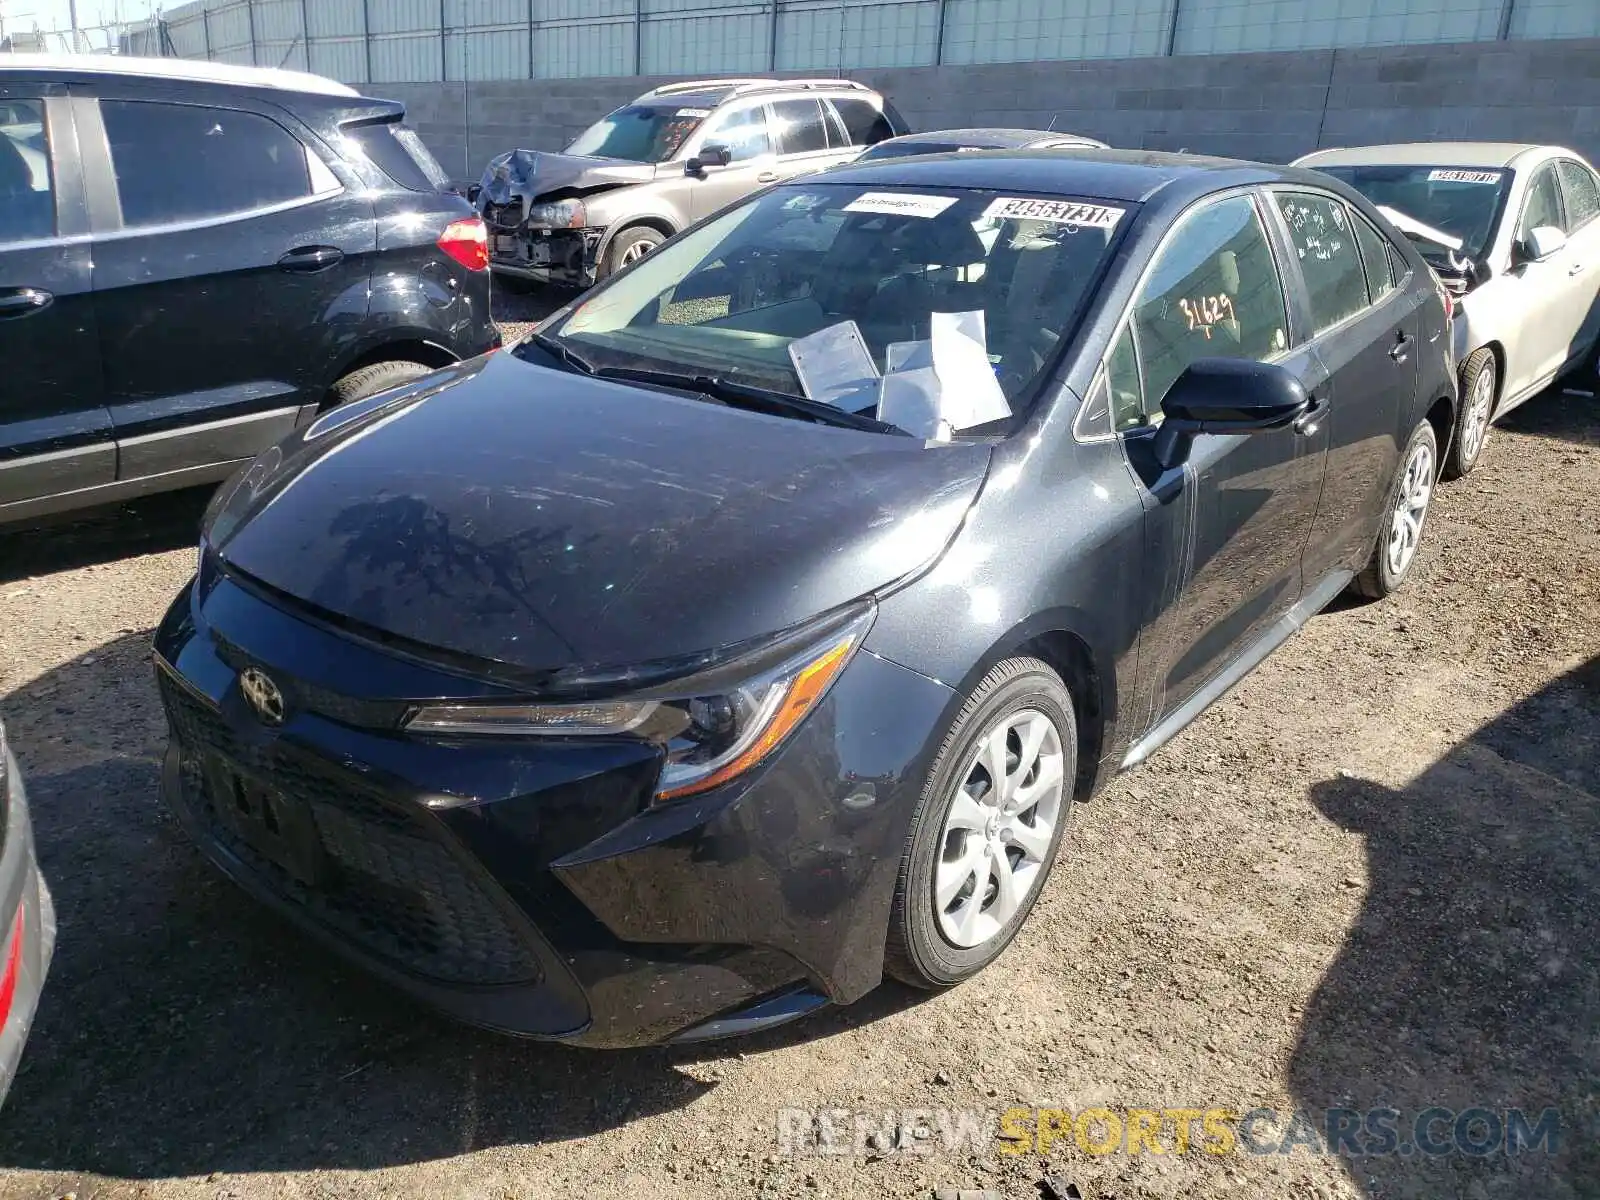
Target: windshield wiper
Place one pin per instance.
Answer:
(744, 395)
(559, 349)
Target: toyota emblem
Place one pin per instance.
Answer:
(262, 695)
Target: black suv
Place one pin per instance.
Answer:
(196, 258)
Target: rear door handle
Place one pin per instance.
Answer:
(1401, 347)
(1308, 422)
(311, 258)
(1575, 269)
(23, 302)
(767, 177)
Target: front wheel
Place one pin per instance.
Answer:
(628, 247)
(1478, 389)
(986, 832)
(1404, 516)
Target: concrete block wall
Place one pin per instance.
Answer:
(1269, 106)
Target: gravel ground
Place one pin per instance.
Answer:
(1365, 877)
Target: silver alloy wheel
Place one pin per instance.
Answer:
(635, 251)
(1001, 825)
(1476, 426)
(1410, 509)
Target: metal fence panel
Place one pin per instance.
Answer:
(278, 21)
(583, 49)
(979, 31)
(340, 58)
(1222, 26)
(496, 54)
(1555, 19)
(694, 45)
(230, 32)
(406, 58)
(404, 16)
(335, 18)
(188, 36)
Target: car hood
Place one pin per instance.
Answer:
(522, 176)
(546, 521)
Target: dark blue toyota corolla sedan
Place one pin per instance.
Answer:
(752, 629)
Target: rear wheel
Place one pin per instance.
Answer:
(372, 379)
(628, 247)
(988, 827)
(1479, 382)
(1404, 517)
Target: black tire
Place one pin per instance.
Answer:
(1380, 578)
(372, 379)
(1465, 451)
(627, 246)
(918, 952)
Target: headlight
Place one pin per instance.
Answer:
(710, 736)
(562, 214)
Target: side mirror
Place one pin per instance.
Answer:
(1542, 241)
(1226, 395)
(709, 156)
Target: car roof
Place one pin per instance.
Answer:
(993, 137)
(1127, 175)
(1422, 154)
(186, 69)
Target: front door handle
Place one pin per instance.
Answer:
(23, 302)
(311, 258)
(1401, 347)
(768, 177)
(1575, 269)
(1308, 422)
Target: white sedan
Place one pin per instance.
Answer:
(1511, 231)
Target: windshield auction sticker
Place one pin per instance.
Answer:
(900, 204)
(1450, 175)
(1063, 212)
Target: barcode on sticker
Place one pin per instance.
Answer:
(900, 204)
(1452, 176)
(1065, 212)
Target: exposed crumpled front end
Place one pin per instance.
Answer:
(538, 223)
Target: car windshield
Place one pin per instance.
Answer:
(647, 133)
(1447, 211)
(886, 279)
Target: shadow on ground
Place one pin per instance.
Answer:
(1558, 413)
(151, 525)
(184, 1030)
(1470, 979)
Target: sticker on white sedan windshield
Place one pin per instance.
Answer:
(900, 204)
(1062, 212)
(1444, 175)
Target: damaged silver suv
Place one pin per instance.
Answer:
(657, 165)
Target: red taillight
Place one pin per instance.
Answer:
(8, 982)
(467, 241)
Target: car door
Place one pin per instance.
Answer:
(55, 431)
(801, 131)
(232, 267)
(744, 131)
(1366, 331)
(1240, 510)
(1541, 293)
(1580, 194)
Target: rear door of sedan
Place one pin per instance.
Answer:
(1581, 199)
(1368, 337)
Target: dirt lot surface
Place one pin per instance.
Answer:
(1368, 877)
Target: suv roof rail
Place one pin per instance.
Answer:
(186, 69)
(743, 87)
(701, 85)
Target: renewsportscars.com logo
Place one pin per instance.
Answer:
(1356, 1133)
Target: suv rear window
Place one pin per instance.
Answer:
(866, 125)
(397, 151)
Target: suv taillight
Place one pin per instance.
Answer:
(467, 241)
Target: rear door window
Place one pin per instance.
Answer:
(1375, 257)
(1325, 244)
(27, 199)
(1582, 197)
(180, 162)
(865, 124)
(398, 152)
(799, 126)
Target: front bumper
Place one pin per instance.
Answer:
(531, 888)
(28, 935)
(559, 256)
